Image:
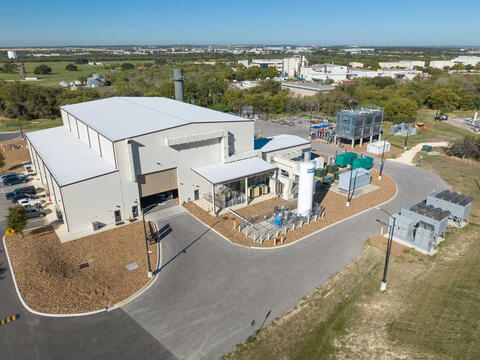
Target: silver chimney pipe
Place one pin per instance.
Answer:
(178, 78)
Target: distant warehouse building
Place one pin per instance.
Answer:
(115, 156)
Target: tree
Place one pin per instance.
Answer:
(42, 70)
(17, 218)
(71, 67)
(2, 160)
(400, 109)
(9, 68)
(127, 66)
(443, 99)
(81, 61)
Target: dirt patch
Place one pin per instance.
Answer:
(399, 250)
(393, 153)
(334, 204)
(15, 152)
(51, 281)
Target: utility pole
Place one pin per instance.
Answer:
(383, 284)
(382, 163)
(406, 139)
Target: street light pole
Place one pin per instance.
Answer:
(406, 139)
(383, 284)
(383, 159)
(150, 274)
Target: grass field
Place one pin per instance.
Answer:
(14, 125)
(60, 74)
(434, 131)
(430, 310)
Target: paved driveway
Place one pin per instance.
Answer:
(207, 292)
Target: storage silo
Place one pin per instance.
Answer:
(305, 188)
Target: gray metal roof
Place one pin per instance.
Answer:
(119, 118)
(279, 142)
(68, 158)
(220, 173)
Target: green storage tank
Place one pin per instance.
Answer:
(365, 163)
(332, 168)
(320, 173)
(327, 180)
(426, 148)
(345, 159)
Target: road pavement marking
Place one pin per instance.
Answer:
(9, 319)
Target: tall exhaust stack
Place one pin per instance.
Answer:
(178, 78)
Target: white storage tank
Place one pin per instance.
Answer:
(320, 162)
(305, 188)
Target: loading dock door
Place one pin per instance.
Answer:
(157, 182)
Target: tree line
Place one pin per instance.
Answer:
(210, 85)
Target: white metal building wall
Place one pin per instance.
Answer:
(154, 155)
(93, 200)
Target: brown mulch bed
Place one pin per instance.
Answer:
(394, 151)
(14, 156)
(49, 277)
(334, 204)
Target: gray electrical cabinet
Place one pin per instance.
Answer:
(458, 205)
(360, 177)
(429, 214)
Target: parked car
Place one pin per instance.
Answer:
(23, 190)
(17, 197)
(13, 180)
(30, 202)
(3, 176)
(33, 212)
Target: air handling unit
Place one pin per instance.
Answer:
(356, 125)
(305, 188)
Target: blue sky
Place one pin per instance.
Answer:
(318, 22)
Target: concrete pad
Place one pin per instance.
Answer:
(358, 192)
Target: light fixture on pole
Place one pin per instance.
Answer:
(144, 211)
(383, 283)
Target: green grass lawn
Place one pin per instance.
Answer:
(435, 131)
(60, 74)
(13, 124)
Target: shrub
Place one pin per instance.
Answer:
(42, 70)
(468, 147)
(71, 67)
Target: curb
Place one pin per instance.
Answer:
(306, 236)
(118, 305)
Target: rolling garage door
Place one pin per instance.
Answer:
(157, 182)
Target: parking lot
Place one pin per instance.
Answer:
(6, 203)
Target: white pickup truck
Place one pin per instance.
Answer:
(30, 202)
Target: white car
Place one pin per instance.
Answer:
(30, 202)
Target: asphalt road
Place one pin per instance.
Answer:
(6, 136)
(208, 290)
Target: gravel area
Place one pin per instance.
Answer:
(49, 277)
(14, 156)
(334, 204)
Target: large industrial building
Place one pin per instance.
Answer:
(114, 156)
